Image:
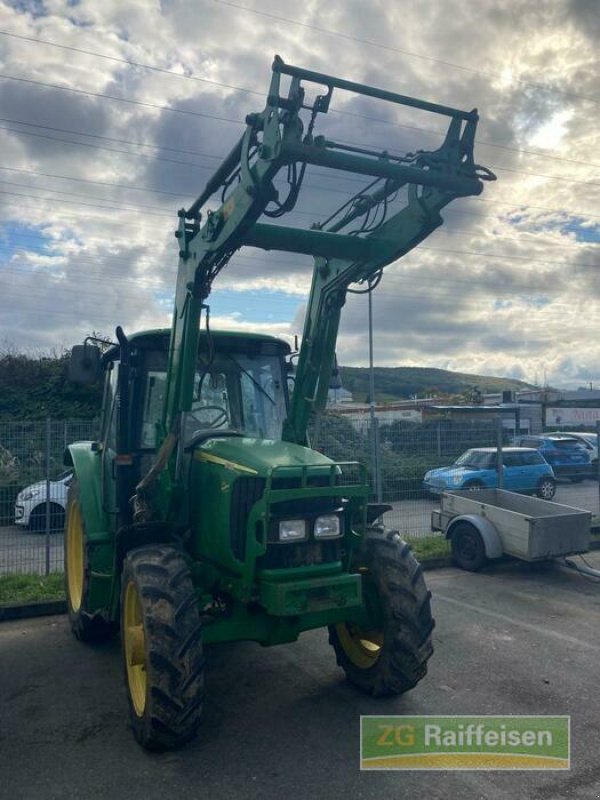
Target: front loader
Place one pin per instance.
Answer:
(201, 514)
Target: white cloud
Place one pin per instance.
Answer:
(499, 289)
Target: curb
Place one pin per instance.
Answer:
(43, 608)
(435, 563)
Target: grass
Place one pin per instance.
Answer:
(30, 588)
(429, 546)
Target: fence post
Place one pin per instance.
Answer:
(598, 462)
(500, 459)
(378, 485)
(48, 432)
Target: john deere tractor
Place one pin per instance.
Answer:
(201, 514)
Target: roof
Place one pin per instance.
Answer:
(154, 336)
(504, 449)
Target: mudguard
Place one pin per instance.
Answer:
(487, 531)
(87, 467)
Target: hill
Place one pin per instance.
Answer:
(33, 388)
(402, 383)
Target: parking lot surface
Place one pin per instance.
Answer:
(282, 722)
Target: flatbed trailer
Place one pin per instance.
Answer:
(491, 523)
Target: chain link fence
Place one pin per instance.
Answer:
(398, 456)
(33, 492)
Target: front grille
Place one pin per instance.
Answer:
(246, 492)
(249, 490)
(296, 482)
(302, 554)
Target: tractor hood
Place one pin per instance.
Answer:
(257, 456)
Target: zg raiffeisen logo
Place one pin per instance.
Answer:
(459, 742)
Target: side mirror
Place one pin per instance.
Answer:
(85, 365)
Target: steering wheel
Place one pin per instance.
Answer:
(220, 417)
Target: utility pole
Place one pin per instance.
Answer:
(374, 429)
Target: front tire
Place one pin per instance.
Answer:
(161, 637)
(37, 520)
(391, 657)
(473, 486)
(85, 624)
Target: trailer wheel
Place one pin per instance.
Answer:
(468, 550)
(85, 624)
(390, 657)
(546, 489)
(161, 637)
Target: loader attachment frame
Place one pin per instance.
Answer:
(277, 139)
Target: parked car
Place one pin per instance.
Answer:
(565, 454)
(588, 440)
(30, 505)
(524, 470)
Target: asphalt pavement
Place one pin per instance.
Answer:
(283, 723)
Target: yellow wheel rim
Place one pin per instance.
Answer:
(75, 558)
(363, 648)
(135, 656)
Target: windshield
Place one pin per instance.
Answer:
(476, 460)
(234, 392)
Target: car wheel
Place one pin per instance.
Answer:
(37, 520)
(546, 489)
(468, 550)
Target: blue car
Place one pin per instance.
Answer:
(524, 470)
(565, 454)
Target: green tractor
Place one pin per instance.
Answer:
(201, 514)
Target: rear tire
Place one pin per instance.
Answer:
(161, 637)
(468, 550)
(391, 657)
(546, 489)
(85, 624)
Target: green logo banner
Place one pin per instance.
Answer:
(468, 743)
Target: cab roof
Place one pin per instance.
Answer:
(158, 338)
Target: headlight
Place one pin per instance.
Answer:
(292, 530)
(30, 494)
(327, 527)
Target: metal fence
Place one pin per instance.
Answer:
(33, 492)
(34, 483)
(399, 455)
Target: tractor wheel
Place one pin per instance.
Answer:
(86, 625)
(468, 550)
(161, 637)
(391, 656)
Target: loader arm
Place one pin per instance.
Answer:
(278, 139)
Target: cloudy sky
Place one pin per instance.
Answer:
(113, 115)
